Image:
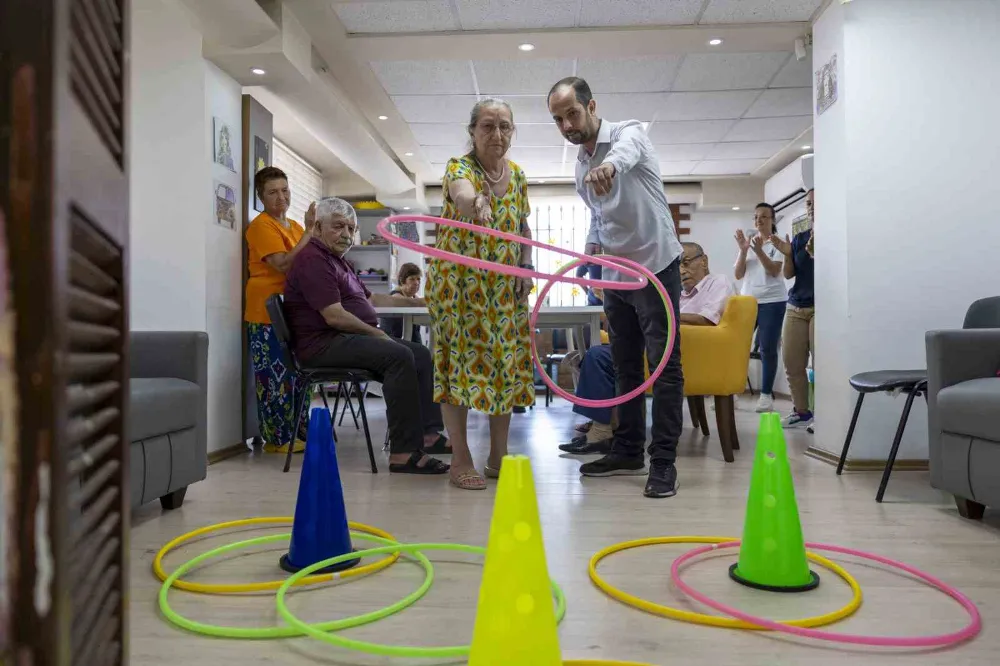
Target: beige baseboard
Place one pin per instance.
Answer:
(229, 452)
(866, 464)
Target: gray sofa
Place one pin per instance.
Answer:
(168, 414)
(963, 406)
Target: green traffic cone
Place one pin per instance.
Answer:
(773, 552)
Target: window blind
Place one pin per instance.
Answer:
(304, 181)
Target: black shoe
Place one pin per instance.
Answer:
(520, 410)
(662, 480)
(615, 464)
(580, 446)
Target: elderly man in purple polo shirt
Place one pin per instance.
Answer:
(703, 298)
(333, 321)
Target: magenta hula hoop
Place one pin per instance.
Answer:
(970, 630)
(628, 268)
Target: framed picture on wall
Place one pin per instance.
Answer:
(225, 205)
(223, 143)
(261, 159)
(826, 85)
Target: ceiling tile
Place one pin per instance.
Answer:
(683, 152)
(527, 108)
(639, 12)
(676, 168)
(441, 154)
(633, 106)
(439, 134)
(745, 150)
(536, 155)
(625, 75)
(520, 77)
(517, 14)
(538, 134)
(795, 74)
(425, 77)
(396, 16)
(697, 131)
(726, 167)
(435, 108)
(782, 102)
(728, 71)
(707, 105)
(769, 129)
(759, 11)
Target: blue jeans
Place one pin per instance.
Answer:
(597, 382)
(770, 317)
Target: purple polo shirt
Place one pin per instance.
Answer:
(318, 278)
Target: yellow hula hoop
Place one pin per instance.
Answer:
(714, 620)
(237, 588)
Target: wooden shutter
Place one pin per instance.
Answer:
(63, 148)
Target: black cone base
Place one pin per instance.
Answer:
(286, 565)
(811, 585)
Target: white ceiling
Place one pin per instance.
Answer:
(710, 111)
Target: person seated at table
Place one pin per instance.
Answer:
(333, 323)
(703, 298)
(407, 284)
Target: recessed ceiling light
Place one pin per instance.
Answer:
(406, 208)
(258, 71)
(736, 207)
(383, 117)
(541, 182)
(527, 47)
(714, 42)
(408, 154)
(806, 147)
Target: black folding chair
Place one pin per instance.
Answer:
(315, 375)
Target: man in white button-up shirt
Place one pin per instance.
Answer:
(618, 176)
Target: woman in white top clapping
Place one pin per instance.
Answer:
(759, 264)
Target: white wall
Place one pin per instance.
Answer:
(907, 212)
(223, 275)
(168, 170)
(185, 269)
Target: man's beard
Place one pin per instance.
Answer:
(578, 138)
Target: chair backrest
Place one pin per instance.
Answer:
(276, 311)
(984, 313)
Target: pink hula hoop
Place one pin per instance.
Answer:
(628, 267)
(973, 628)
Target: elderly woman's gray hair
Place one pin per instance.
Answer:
(329, 207)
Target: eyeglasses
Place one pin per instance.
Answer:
(687, 261)
(506, 129)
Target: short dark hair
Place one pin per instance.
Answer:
(580, 88)
(406, 271)
(774, 215)
(266, 175)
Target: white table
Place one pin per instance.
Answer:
(573, 317)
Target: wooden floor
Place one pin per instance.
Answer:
(915, 524)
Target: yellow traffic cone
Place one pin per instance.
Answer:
(515, 618)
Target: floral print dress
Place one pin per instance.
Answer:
(482, 344)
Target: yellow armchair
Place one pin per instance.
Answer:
(715, 360)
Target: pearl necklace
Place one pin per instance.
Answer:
(503, 172)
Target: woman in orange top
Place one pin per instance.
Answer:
(273, 241)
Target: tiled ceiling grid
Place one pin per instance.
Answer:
(707, 113)
(408, 16)
(710, 114)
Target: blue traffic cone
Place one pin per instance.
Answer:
(320, 529)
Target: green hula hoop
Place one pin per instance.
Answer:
(387, 650)
(291, 631)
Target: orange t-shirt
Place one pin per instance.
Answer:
(266, 236)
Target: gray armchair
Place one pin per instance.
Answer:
(963, 406)
(168, 414)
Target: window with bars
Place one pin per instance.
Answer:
(563, 224)
(304, 181)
